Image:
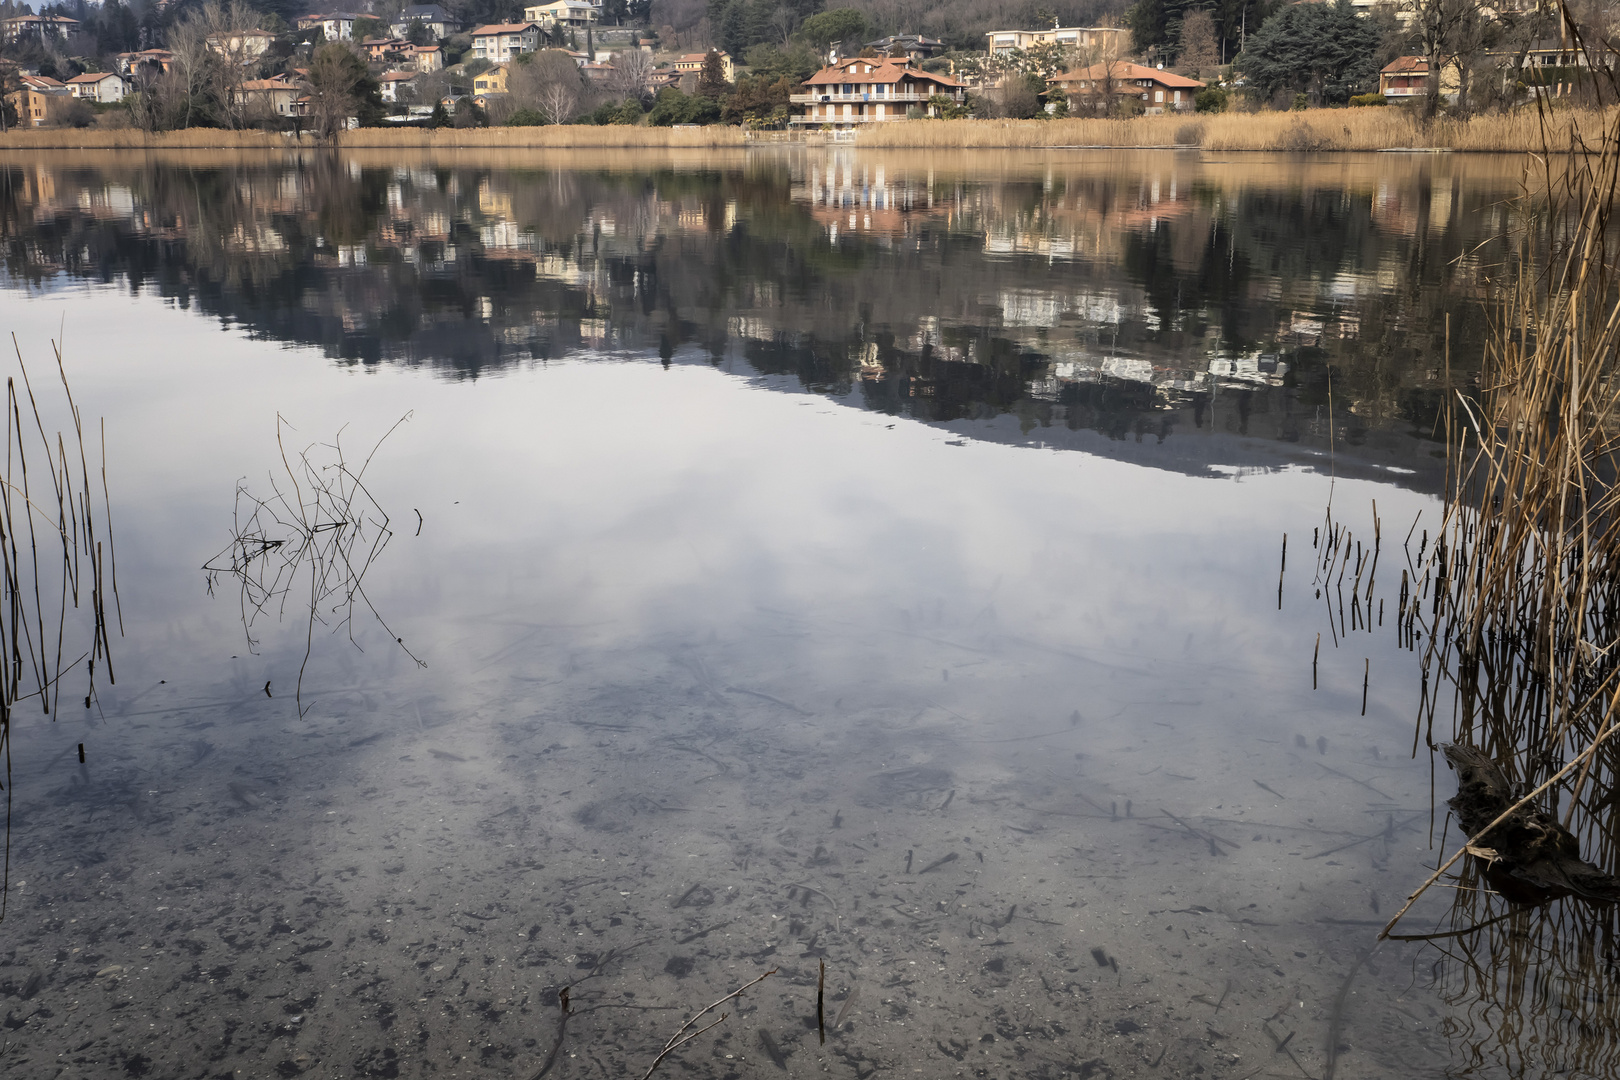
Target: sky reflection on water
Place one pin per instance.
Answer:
(700, 634)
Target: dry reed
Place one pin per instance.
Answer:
(538, 138)
(1309, 130)
(1516, 603)
(1306, 131)
(55, 574)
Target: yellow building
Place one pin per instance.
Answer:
(36, 98)
(492, 81)
(692, 64)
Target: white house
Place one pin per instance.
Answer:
(242, 43)
(337, 26)
(43, 27)
(499, 42)
(571, 13)
(392, 82)
(102, 86)
(438, 21)
(279, 94)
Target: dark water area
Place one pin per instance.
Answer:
(814, 557)
(1125, 296)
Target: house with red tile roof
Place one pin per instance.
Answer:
(428, 58)
(500, 42)
(390, 83)
(155, 60)
(102, 86)
(868, 90)
(1103, 84)
(692, 64)
(43, 27)
(1407, 77)
(36, 97)
(379, 48)
(278, 94)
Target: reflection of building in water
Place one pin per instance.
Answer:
(1082, 297)
(859, 198)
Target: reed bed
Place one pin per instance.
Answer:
(1530, 984)
(1513, 604)
(538, 138)
(56, 565)
(1306, 131)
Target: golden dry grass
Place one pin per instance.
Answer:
(405, 138)
(1309, 130)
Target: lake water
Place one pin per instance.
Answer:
(816, 556)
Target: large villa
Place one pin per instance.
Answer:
(870, 89)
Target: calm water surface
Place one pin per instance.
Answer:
(823, 556)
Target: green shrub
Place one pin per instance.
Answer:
(1302, 102)
(526, 118)
(1211, 99)
(1368, 99)
(674, 107)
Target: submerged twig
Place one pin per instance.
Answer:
(681, 1037)
(325, 526)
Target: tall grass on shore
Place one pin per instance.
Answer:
(1517, 599)
(539, 138)
(1306, 131)
(56, 567)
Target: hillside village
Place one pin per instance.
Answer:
(174, 65)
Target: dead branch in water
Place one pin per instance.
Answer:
(681, 1037)
(319, 532)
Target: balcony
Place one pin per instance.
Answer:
(913, 98)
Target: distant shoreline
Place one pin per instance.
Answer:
(1363, 130)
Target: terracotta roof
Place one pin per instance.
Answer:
(883, 70)
(427, 48)
(1413, 65)
(42, 80)
(501, 28)
(91, 77)
(268, 84)
(1127, 72)
(397, 76)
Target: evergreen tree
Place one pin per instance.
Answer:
(1156, 24)
(1324, 50)
(712, 79)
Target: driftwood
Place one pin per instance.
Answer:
(1529, 858)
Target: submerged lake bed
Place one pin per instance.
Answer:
(817, 557)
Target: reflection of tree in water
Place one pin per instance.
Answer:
(467, 268)
(1534, 989)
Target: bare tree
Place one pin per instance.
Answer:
(147, 104)
(550, 81)
(784, 20)
(193, 59)
(1199, 50)
(335, 77)
(225, 31)
(1105, 71)
(1438, 25)
(631, 70)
